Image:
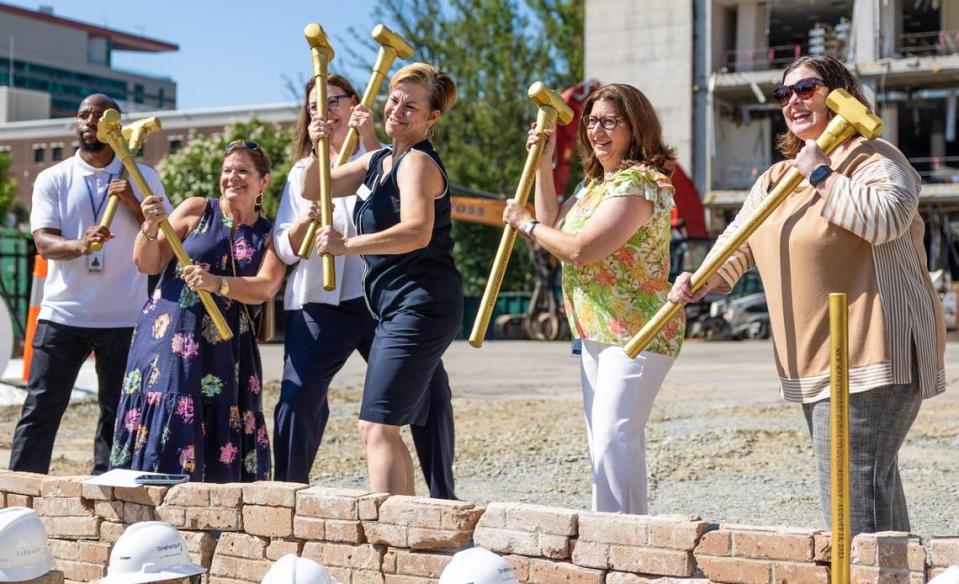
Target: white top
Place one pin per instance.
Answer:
(104, 289)
(305, 284)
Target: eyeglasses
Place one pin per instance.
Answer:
(804, 89)
(248, 144)
(608, 123)
(332, 103)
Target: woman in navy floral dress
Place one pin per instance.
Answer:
(191, 402)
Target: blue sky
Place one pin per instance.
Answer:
(231, 53)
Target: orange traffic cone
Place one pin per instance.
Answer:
(36, 295)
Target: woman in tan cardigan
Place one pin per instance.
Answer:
(852, 226)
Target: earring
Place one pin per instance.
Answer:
(259, 200)
(431, 133)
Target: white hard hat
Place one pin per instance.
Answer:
(23, 545)
(950, 576)
(149, 551)
(478, 566)
(291, 569)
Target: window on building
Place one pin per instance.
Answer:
(138, 93)
(160, 97)
(175, 144)
(39, 153)
(57, 153)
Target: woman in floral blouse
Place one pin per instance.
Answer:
(613, 240)
(191, 401)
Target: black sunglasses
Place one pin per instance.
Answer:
(248, 144)
(804, 89)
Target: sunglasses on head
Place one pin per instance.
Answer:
(248, 144)
(804, 89)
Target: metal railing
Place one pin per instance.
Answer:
(918, 44)
(760, 59)
(937, 169)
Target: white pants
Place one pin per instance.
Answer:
(618, 394)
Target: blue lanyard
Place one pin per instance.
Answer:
(96, 209)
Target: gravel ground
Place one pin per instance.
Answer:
(721, 444)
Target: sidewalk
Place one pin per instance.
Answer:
(12, 390)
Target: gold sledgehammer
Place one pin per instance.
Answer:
(552, 109)
(851, 117)
(392, 46)
(108, 131)
(135, 134)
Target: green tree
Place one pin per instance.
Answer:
(194, 170)
(494, 50)
(8, 188)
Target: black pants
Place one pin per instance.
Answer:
(58, 353)
(319, 340)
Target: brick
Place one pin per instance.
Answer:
(358, 557)
(200, 545)
(343, 531)
(82, 571)
(175, 516)
(268, 521)
(229, 495)
(329, 503)
(272, 493)
(110, 531)
(541, 519)
(367, 577)
(715, 543)
(94, 552)
(736, 570)
(3, 499)
(520, 566)
(546, 572)
(369, 505)
(864, 550)
(494, 515)
(239, 568)
(63, 507)
(773, 546)
(63, 549)
(188, 495)
(506, 541)
(241, 545)
(136, 512)
(279, 548)
(554, 547)
(411, 511)
(21, 483)
(213, 518)
(678, 535)
(651, 560)
(18, 500)
(109, 510)
(221, 580)
(822, 547)
(399, 579)
(613, 528)
(421, 538)
(624, 578)
(799, 573)
(72, 527)
(51, 577)
(590, 554)
(96, 492)
(385, 533)
(944, 551)
(876, 575)
(429, 565)
(900, 551)
(62, 486)
(142, 495)
(309, 528)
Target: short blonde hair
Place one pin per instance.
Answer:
(442, 89)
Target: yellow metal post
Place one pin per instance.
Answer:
(839, 443)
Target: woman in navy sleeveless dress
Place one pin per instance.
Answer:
(191, 402)
(411, 284)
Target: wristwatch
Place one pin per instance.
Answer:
(819, 174)
(529, 227)
(224, 287)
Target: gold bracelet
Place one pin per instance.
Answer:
(145, 235)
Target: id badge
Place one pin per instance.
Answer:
(363, 192)
(576, 347)
(95, 262)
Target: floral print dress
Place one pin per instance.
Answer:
(610, 300)
(191, 402)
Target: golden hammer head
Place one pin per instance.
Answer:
(317, 39)
(390, 39)
(853, 111)
(135, 133)
(543, 96)
(108, 124)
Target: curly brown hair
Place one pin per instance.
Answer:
(301, 140)
(836, 76)
(646, 145)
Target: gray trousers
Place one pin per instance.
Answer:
(879, 420)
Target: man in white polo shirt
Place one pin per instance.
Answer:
(91, 298)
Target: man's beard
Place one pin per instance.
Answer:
(92, 146)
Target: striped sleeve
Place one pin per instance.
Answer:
(876, 203)
(741, 261)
